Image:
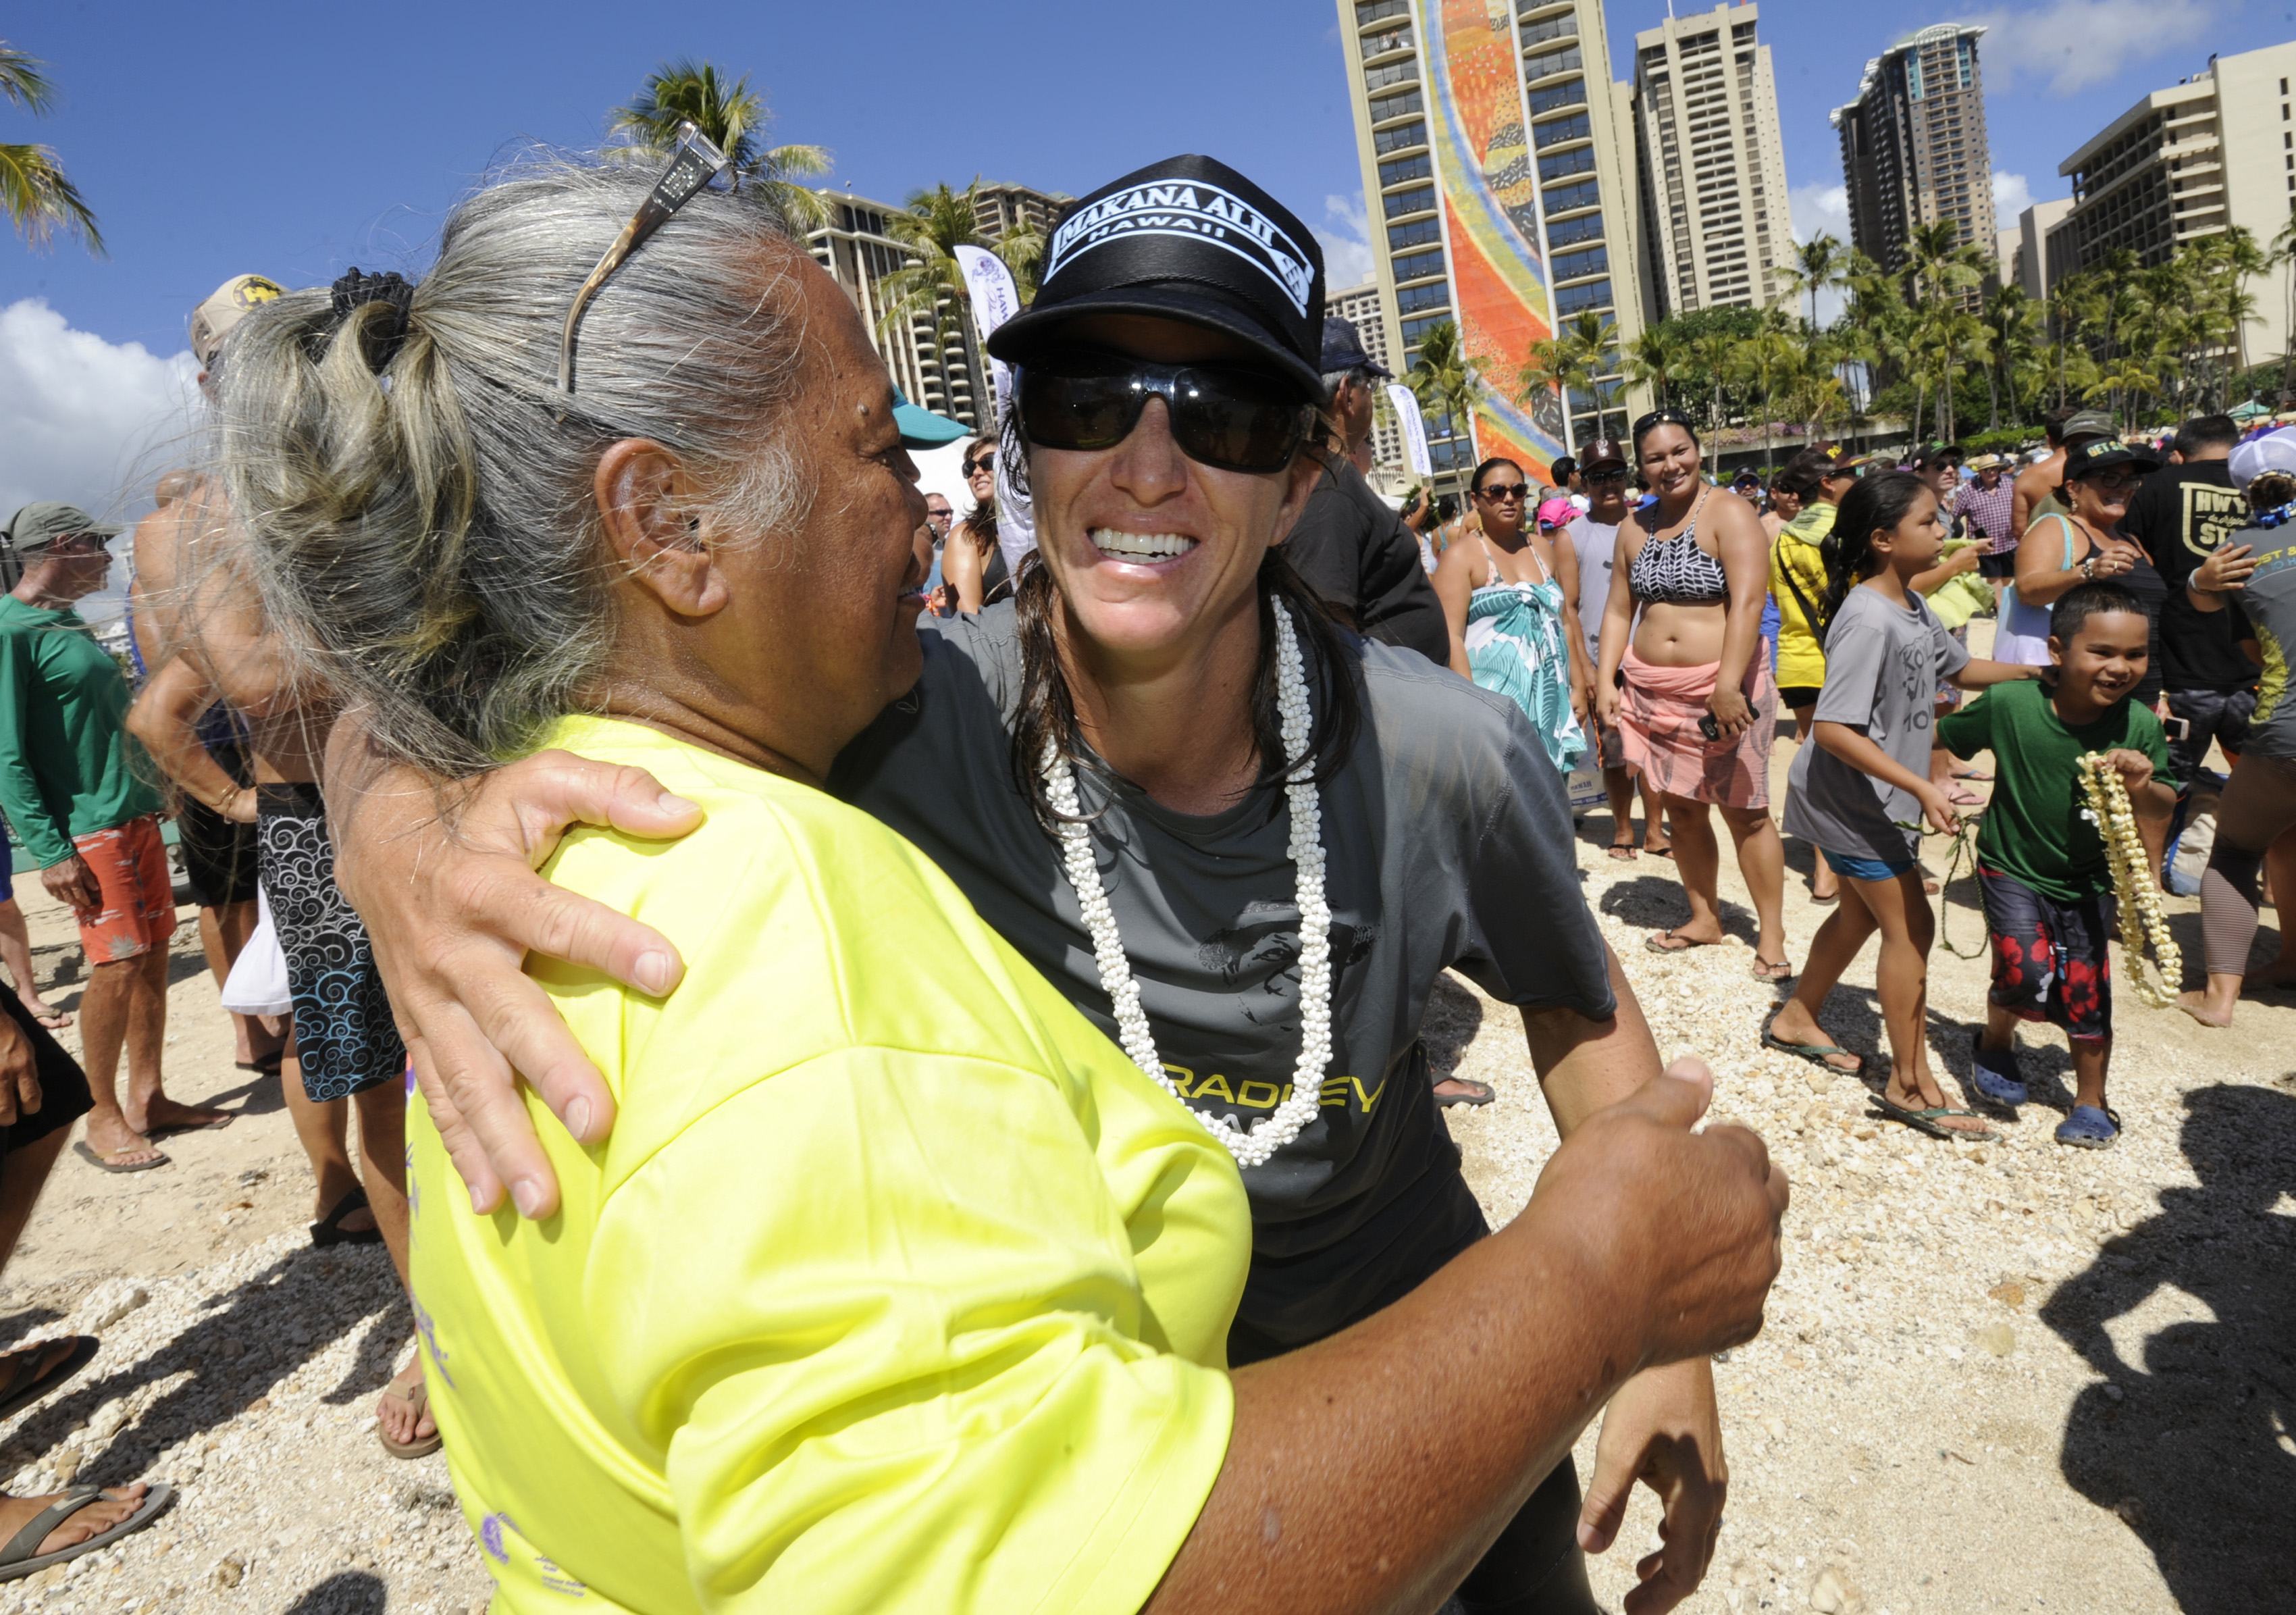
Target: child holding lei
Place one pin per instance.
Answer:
(2041, 861)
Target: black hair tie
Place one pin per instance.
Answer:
(381, 339)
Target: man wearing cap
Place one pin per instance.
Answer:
(1592, 539)
(2038, 487)
(1349, 547)
(75, 787)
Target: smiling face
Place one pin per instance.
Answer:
(2102, 497)
(1669, 460)
(1788, 505)
(2108, 657)
(981, 470)
(1156, 555)
(1606, 495)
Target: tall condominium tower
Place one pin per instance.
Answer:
(1499, 201)
(1914, 148)
(1710, 163)
(2209, 153)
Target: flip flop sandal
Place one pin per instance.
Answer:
(175, 1129)
(1478, 1093)
(1832, 897)
(1781, 972)
(1659, 944)
(105, 1164)
(329, 1230)
(28, 1383)
(1931, 1120)
(19, 1558)
(1625, 852)
(418, 1396)
(2090, 1128)
(1996, 1077)
(262, 1068)
(1816, 1053)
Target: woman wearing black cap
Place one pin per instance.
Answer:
(1248, 846)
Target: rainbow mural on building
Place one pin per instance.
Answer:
(1488, 186)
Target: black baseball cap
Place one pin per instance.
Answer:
(1343, 349)
(1186, 239)
(2102, 452)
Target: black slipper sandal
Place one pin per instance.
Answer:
(179, 1129)
(1930, 1120)
(27, 1383)
(1478, 1093)
(329, 1230)
(104, 1163)
(20, 1557)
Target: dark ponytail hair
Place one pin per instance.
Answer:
(1876, 504)
(1048, 712)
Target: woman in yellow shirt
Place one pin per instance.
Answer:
(897, 1287)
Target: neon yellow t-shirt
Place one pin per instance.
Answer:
(897, 1287)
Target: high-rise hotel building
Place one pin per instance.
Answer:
(1914, 149)
(1499, 200)
(1360, 306)
(1711, 165)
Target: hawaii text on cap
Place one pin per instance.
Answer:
(1186, 239)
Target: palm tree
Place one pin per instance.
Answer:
(1769, 361)
(1715, 354)
(2008, 318)
(2284, 251)
(1653, 357)
(731, 115)
(1444, 379)
(1820, 265)
(931, 286)
(38, 195)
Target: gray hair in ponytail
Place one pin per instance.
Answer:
(426, 534)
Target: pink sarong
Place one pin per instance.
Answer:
(1659, 710)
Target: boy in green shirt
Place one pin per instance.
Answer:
(78, 793)
(2040, 855)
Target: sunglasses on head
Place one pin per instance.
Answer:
(1660, 417)
(1229, 419)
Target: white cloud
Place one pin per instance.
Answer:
(1345, 236)
(2071, 46)
(82, 420)
(1820, 207)
(2011, 197)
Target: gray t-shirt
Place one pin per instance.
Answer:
(1447, 844)
(1596, 544)
(1882, 665)
(2266, 613)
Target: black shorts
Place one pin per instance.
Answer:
(1793, 698)
(345, 1039)
(218, 855)
(2219, 716)
(2003, 566)
(2050, 958)
(64, 1097)
(1535, 1567)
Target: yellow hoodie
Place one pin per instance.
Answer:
(1796, 565)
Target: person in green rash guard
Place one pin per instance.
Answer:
(78, 791)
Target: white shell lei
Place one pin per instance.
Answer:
(2144, 916)
(1269, 1134)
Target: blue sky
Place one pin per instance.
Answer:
(295, 142)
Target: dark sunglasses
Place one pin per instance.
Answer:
(1597, 478)
(979, 462)
(1501, 490)
(1229, 419)
(693, 165)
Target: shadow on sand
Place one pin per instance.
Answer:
(2195, 1446)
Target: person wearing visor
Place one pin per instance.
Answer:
(854, 1296)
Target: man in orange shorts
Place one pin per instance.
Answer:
(78, 793)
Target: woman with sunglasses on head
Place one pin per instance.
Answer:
(1504, 590)
(1246, 844)
(973, 561)
(2081, 543)
(1687, 676)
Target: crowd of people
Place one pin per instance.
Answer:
(565, 696)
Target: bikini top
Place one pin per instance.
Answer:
(1674, 571)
